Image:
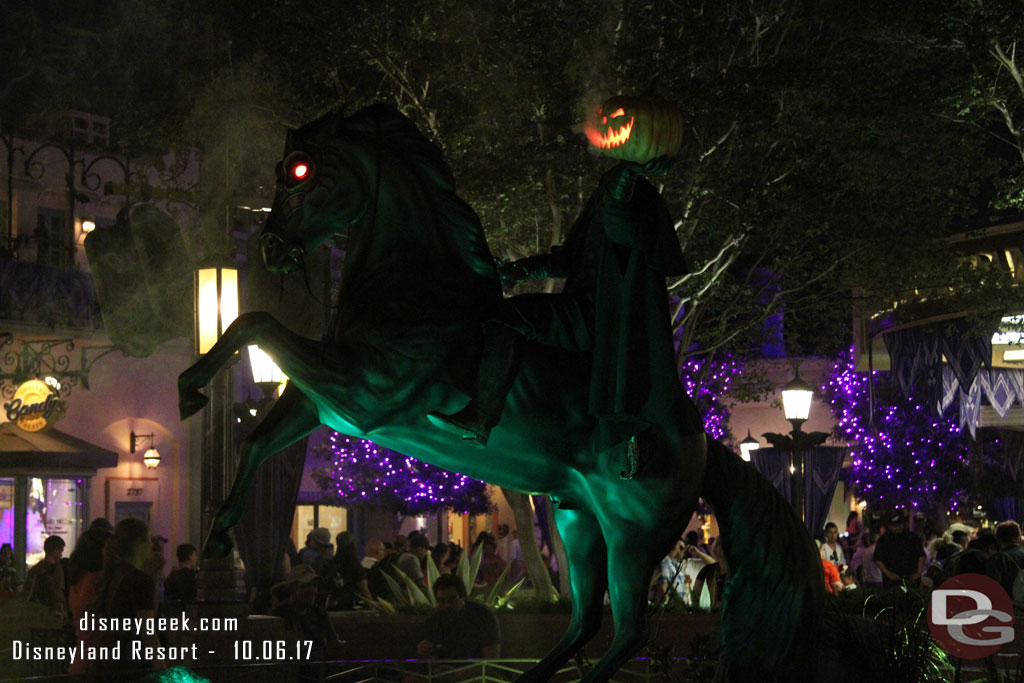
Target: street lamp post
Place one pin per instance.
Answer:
(748, 444)
(796, 403)
(220, 588)
(262, 532)
(216, 302)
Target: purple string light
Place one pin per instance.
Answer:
(705, 380)
(362, 473)
(907, 458)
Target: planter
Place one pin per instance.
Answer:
(370, 635)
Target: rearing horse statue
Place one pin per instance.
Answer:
(418, 281)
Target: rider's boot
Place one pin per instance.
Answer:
(502, 352)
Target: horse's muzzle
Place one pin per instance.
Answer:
(278, 256)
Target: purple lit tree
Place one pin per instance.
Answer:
(706, 380)
(360, 473)
(907, 458)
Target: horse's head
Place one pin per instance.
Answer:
(320, 191)
(375, 177)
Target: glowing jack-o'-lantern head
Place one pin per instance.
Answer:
(635, 128)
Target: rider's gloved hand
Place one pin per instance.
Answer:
(511, 274)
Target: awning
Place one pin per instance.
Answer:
(49, 452)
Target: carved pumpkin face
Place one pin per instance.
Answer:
(635, 128)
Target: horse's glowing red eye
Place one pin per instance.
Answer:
(300, 171)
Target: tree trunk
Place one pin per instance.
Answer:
(535, 568)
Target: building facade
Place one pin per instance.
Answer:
(80, 465)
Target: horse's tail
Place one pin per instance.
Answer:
(774, 592)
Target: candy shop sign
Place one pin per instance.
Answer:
(35, 406)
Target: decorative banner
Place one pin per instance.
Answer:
(916, 361)
(822, 465)
(774, 465)
(35, 406)
(1002, 388)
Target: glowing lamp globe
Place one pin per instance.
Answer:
(151, 458)
(216, 297)
(796, 399)
(748, 444)
(264, 369)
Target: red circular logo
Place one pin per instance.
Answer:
(970, 616)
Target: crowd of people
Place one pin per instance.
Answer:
(346, 581)
(882, 556)
(326, 576)
(114, 571)
(118, 571)
(890, 555)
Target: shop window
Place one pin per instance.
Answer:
(7, 511)
(53, 238)
(90, 128)
(309, 517)
(55, 508)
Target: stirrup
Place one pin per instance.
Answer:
(453, 425)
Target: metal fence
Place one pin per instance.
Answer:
(639, 670)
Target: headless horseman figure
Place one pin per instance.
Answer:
(615, 260)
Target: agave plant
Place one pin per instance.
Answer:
(890, 637)
(408, 593)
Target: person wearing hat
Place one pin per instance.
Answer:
(318, 549)
(302, 616)
(899, 553)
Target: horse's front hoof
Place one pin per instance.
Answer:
(218, 545)
(190, 402)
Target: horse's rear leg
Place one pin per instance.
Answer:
(292, 417)
(587, 557)
(631, 561)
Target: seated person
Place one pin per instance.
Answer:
(180, 584)
(460, 628)
(303, 617)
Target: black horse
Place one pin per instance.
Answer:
(418, 281)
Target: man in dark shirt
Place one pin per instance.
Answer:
(44, 583)
(460, 628)
(1008, 536)
(899, 554)
(180, 584)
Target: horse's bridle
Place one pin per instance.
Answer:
(271, 240)
(296, 253)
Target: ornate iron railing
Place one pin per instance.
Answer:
(43, 295)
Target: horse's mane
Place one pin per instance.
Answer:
(418, 276)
